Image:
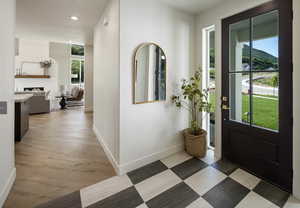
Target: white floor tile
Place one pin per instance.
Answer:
(143, 206)
(176, 159)
(104, 189)
(200, 203)
(157, 184)
(254, 200)
(246, 179)
(292, 203)
(210, 157)
(205, 179)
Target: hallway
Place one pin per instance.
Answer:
(59, 154)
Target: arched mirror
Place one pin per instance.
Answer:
(150, 70)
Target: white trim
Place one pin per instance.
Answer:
(132, 165)
(80, 59)
(205, 75)
(7, 187)
(296, 189)
(125, 168)
(88, 109)
(107, 151)
(205, 82)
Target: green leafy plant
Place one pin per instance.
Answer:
(194, 100)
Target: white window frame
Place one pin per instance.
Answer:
(80, 59)
(206, 78)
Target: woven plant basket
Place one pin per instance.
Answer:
(195, 145)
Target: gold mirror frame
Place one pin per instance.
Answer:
(135, 72)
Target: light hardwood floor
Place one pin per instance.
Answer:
(60, 154)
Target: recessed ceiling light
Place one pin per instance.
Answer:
(74, 18)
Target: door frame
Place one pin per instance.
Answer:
(285, 8)
(205, 78)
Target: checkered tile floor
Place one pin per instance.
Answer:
(177, 182)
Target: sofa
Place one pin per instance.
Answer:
(76, 97)
(39, 102)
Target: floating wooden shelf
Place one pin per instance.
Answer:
(32, 76)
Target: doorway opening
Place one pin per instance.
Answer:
(209, 83)
(257, 91)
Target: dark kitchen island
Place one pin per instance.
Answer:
(21, 115)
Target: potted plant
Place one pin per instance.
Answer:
(46, 64)
(195, 101)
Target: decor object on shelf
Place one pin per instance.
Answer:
(149, 74)
(195, 101)
(43, 64)
(46, 64)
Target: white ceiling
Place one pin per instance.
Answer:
(193, 6)
(50, 19)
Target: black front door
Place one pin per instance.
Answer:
(257, 91)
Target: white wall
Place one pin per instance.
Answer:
(7, 52)
(214, 17)
(151, 131)
(61, 52)
(33, 48)
(106, 81)
(88, 78)
(36, 50)
(296, 81)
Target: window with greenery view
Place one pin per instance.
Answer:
(77, 72)
(254, 71)
(77, 65)
(77, 50)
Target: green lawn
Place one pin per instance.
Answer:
(265, 111)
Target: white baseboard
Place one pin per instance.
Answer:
(7, 187)
(88, 109)
(296, 189)
(127, 167)
(132, 165)
(107, 151)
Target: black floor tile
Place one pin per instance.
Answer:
(272, 193)
(188, 168)
(141, 174)
(226, 194)
(128, 198)
(72, 200)
(179, 196)
(225, 166)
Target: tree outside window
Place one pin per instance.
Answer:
(77, 50)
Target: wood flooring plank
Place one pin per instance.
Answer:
(60, 154)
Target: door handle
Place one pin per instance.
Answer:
(225, 99)
(225, 107)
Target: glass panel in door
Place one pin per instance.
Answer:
(265, 71)
(239, 101)
(254, 71)
(239, 46)
(212, 88)
(239, 71)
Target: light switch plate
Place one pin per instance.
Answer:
(3, 108)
